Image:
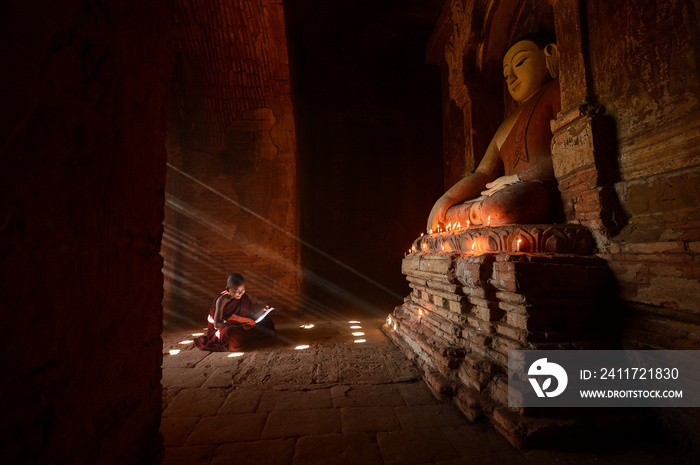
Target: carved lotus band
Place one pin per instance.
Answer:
(546, 239)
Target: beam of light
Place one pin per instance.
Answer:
(301, 347)
(174, 351)
(357, 334)
(197, 334)
(284, 231)
(360, 341)
(186, 342)
(235, 354)
(355, 327)
(205, 259)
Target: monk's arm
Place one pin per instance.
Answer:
(218, 312)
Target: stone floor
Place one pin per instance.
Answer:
(323, 396)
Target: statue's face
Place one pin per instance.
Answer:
(525, 70)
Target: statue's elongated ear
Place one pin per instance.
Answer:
(551, 53)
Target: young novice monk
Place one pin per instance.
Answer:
(232, 320)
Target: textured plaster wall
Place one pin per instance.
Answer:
(82, 174)
(644, 63)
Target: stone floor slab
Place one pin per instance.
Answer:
(221, 377)
(386, 395)
(188, 455)
(188, 357)
(185, 377)
(302, 423)
(417, 393)
(386, 408)
(176, 430)
(429, 416)
(369, 419)
(241, 401)
(224, 429)
(270, 452)
(472, 439)
(278, 401)
(338, 449)
(415, 447)
(196, 402)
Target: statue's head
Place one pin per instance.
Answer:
(530, 63)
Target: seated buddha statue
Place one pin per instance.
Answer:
(514, 182)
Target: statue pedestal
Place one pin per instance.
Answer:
(479, 293)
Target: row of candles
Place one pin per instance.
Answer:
(452, 228)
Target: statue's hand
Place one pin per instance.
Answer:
(499, 183)
(437, 214)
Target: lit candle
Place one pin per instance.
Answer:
(473, 246)
(488, 221)
(468, 224)
(518, 244)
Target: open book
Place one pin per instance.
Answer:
(261, 317)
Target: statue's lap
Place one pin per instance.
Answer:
(521, 203)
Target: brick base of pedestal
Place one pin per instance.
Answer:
(466, 312)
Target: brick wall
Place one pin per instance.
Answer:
(82, 174)
(231, 195)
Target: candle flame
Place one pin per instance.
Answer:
(449, 225)
(430, 232)
(421, 234)
(468, 224)
(459, 225)
(473, 245)
(488, 221)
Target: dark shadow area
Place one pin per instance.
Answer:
(369, 140)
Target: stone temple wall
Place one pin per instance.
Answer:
(479, 293)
